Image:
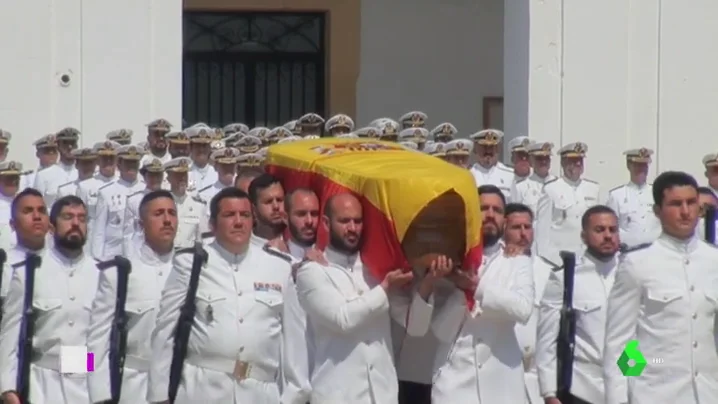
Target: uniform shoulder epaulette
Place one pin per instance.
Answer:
(550, 263)
(18, 264)
(186, 250)
(615, 188)
(550, 181)
(625, 249)
(520, 180)
(105, 186)
(206, 234)
(205, 188)
(198, 199)
(134, 193)
(506, 168)
(589, 180)
(278, 254)
(27, 172)
(67, 183)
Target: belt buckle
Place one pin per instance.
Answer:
(241, 370)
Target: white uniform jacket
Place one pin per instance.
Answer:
(479, 360)
(107, 237)
(350, 316)
(192, 219)
(526, 333)
(146, 281)
(62, 300)
(666, 297)
(208, 192)
(593, 280)
(234, 351)
(498, 175)
(559, 212)
(634, 206)
(529, 190)
(202, 176)
(49, 179)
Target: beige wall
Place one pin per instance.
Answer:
(342, 38)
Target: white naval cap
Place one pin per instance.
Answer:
(641, 155)
(310, 121)
(5, 136)
(235, 128)
(200, 133)
(293, 126)
(120, 135)
(262, 152)
(575, 149)
(311, 137)
(540, 148)
(178, 165)
(347, 136)
(409, 145)
(368, 131)
(248, 144)
(250, 160)
(153, 165)
(289, 139)
(46, 142)
(414, 134)
(106, 148)
(68, 133)
(444, 132)
(389, 130)
(279, 133)
(217, 144)
(131, 152)
(10, 167)
(339, 121)
(519, 144)
(436, 149)
(710, 160)
(177, 138)
(487, 137)
(160, 125)
(227, 155)
(459, 147)
(379, 122)
(413, 119)
(84, 153)
(259, 132)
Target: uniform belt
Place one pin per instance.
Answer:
(137, 363)
(240, 370)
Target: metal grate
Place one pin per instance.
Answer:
(262, 69)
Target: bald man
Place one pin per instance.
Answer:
(350, 315)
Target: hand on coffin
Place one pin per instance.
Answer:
(464, 280)
(396, 279)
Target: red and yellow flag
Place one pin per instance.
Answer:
(415, 206)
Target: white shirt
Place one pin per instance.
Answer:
(498, 175)
(62, 300)
(49, 179)
(107, 233)
(146, 281)
(665, 296)
(593, 280)
(238, 321)
(192, 220)
(528, 191)
(131, 222)
(559, 213)
(87, 190)
(634, 206)
(202, 176)
(7, 234)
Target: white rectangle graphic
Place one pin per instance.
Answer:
(73, 359)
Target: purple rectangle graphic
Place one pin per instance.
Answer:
(90, 362)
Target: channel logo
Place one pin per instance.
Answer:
(76, 360)
(631, 362)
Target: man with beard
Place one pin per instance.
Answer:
(665, 295)
(530, 190)
(225, 161)
(520, 158)
(234, 351)
(479, 360)
(153, 174)
(633, 202)
(151, 258)
(49, 179)
(65, 285)
(349, 314)
(30, 223)
(107, 235)
(267, 196)
(561, 207)
(191, 210)
(156, 142)
(488, 170)
(594, 276)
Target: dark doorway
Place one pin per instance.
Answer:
(261, 69)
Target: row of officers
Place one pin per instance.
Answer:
(256, 314)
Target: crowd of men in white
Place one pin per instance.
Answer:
(278, 321)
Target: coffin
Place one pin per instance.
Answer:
(415, 206)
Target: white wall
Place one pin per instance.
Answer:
(439, 57)
(620, 74)
(123, 58)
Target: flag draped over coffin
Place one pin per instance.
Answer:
(406, 197)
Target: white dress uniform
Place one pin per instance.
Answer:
(559, 212)
(633, 205)
(87, 190)
(62, 300)
(192, 219)
(146, 281)
(234, 350)
(498, 175)
(526, 333)
(479, 360)
(350, 319)
(592, 283)
(15, 254)
(107, 235)
(131, 222)
(209, 191)
(203, 176)
(49, 179)
(665, 296)
(7, 233)
(529, 190)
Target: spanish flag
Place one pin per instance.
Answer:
(415, 206)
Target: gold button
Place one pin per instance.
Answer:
(241, 320)
(72, 298)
